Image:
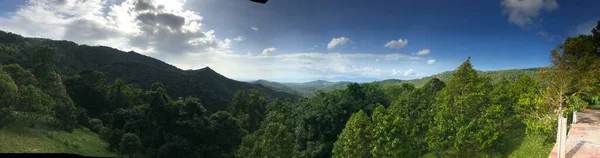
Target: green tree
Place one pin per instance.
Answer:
(66, 117)
(354, 140)
(33, 103)
(573, 74)
(466, 123)
(226, 134)
(21, 76)
(88, 90)
(130, 144)
(8, 93)
(273, 140)
(250, 108)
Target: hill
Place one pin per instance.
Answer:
(45, 139)
(495, 76)
(214, 90)
(307, 89)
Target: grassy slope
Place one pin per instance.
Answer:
(45, 139)
(521, 145)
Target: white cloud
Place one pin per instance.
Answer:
(166, 31)
(395, 72)
(294, 65)
(239, 38)
(269, 51)
(376, 60)
(335, 42)
(409, 72)
(423, 52)
(254, 28)
(430, 61)
(523, 12)
(400, 43)
(154, 27)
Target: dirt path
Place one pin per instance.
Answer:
(583, 140)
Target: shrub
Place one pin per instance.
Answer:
(95, 124)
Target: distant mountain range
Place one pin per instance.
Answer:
(214, 90)
(308, 89)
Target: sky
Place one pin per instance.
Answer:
(301, 40)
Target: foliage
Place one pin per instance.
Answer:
(467, 123)
(95, 124)
(354, 139)
(8, 93)
(33, 103)
(21, 76)
(320, 119)
(573, 71)
(130, 144)
(273, 140)
(250, 107)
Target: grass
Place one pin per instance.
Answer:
(521, 145)
(46, 139)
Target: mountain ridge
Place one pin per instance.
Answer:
(308, 89)
(214, 90)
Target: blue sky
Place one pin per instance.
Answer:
(287, 40)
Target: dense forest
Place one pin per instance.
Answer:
(469, 114)
(213, 89)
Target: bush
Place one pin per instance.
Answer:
(95, 124)
(130, 144)
(65, 116)
(105, 133)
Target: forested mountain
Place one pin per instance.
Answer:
(305, 89)
(214, 90)
(310, 88)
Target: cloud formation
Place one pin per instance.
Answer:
(396, 44)
(423, 52)
(430, 61)
(146, 26)
(254, 28)
(409, 72)
(336, 42)
(171, 32)
(269, 51)
(523, 12)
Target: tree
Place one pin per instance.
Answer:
(321, 118)
(44, 61)
(273, 140)
(466, 123)
(95, 125)
(226, 132)
(354, 140)
(8, 93)
(573, 73)
(130, 144)
(65, 115)
(250, 108)
(21, 76)
(33, 103)
(88, 90)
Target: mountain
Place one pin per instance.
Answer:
(214, 89)
(495, 76)
(308, 89)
